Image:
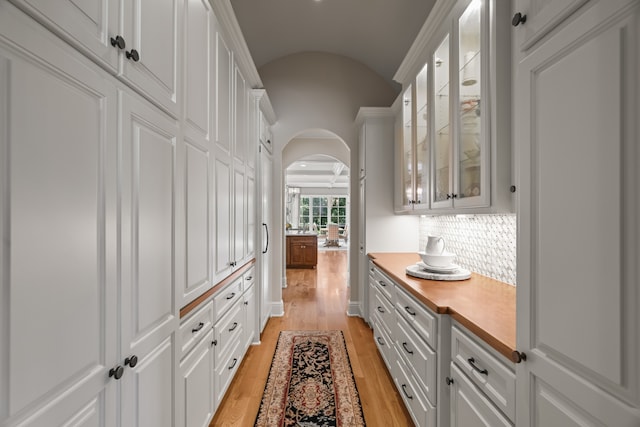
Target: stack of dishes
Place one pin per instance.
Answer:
(437, 264)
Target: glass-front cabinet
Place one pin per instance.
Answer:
(408, 195)
(460, 100)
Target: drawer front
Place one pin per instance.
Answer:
(227, 297)
(383, 342)
(248, 278)
(419, 357)
(227, 331)
(194, 327)
(485, 370)
(469, 406)
(422, 412)
(386, 313)
(225, 371)
(424, 322)
(385, 285)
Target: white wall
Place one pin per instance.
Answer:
(315, 90)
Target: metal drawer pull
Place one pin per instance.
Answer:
(380, 341)
(380, 309)
(404, 390)
(382, 283)
(197, 328)
(234, 363)
(449, 381)
(233, 294)
(404, 345)
(235, 325)
(248, 278)
(472, 362)
(408, 309)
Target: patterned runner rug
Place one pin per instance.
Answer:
(310, 383)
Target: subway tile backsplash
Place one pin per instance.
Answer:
(485, 244)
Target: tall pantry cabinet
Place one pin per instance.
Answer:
(109, 136)
(577, 109)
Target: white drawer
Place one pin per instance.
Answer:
(194, 327)
(383, 342)
(418, 316)
(225, 371)
(419, 357)
(248, 278)
(226, 297)
(227, 331)
(422, 412)
(485, 370)
(386, 313)
(385, 285)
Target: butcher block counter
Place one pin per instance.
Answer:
(485, 306)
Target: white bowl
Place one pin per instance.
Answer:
(444, 259)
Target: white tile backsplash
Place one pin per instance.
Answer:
(485, 244)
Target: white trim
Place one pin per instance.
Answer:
(354, 309)
(277, 309)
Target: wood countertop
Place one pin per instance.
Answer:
(485, 306)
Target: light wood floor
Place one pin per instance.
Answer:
(316, 299)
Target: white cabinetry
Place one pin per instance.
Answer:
(148, 32)
(58, 328)
(578, 298)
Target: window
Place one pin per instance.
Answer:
(316, 209)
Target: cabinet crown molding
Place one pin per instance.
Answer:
(265, 105)
(373, 113)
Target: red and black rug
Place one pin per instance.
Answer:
(310, 383)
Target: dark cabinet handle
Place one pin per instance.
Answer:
(116, 372)
(382, 283)
(248, 278)
(449, 381)
(380, 309)
(235, 325)
(233, 294)
(380, 341)
(404, 390)
(472, 362)
(197, 328)
(266, 247)
(214, 342)
(518, 19)
(408, 310)
(449, 196)
(517, 357)
(234, 363)
(118, 42)
(232, 263)
(246, 303)
(131, 361)
(404, 345)
(133, 55)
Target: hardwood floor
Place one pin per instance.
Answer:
(316, 299)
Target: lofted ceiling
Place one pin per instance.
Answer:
(377, 33)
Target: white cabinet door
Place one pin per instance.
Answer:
(241, 101)
(90, 24)
(197, 373)
(239, 217)
(198, 62)
(250, 317)
(266, 168)
(223, 211)
(152, 30)
(149, 315)
(538, 17)
(250, 203)
(58, 115)
(223, 94)
(578, 299)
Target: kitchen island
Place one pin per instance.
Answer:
(302, 250)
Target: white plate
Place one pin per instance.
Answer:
(448, 269)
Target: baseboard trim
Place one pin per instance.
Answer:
(277, 309)
(354, 309)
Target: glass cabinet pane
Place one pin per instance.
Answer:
(407, 162)
(422, 144)
(469, 105)
(442, 143)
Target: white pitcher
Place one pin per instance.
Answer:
(435, 245)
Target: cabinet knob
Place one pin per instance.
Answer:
(517, 357)
(518, 19)
(118, 42)
(214, 342)
(133, 55)
(131, 361)
(449, 381)
(449, 196)
(116, 372)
